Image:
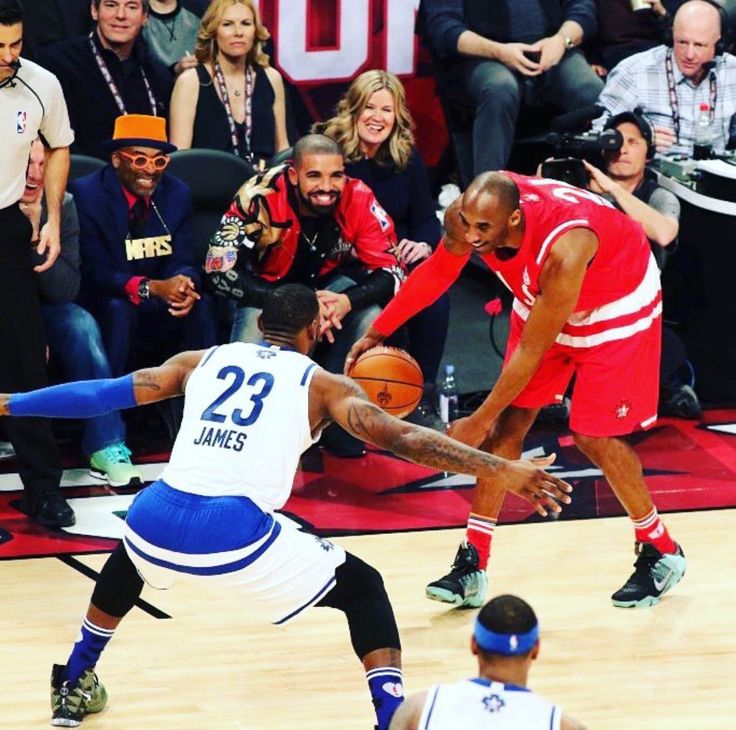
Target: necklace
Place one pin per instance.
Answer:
(311, 240)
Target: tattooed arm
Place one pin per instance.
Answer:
(167, 380)
(340, 399)
(88, 398)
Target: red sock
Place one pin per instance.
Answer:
(651, 529)
(479, 534)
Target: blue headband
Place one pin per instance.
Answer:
(509, 644)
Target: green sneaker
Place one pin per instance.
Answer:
(113, 465)
(465, 585)
(69, 705)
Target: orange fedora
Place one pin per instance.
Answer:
(139, 130)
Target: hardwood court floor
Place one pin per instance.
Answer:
(214, 665)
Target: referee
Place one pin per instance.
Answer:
(31, 103)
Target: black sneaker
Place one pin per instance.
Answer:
(49, 509)
(654, 574)
(70, 704)
(466, 584)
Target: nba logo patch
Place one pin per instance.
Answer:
(381, 216)
(21, 121)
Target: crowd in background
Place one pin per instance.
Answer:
(134, 281)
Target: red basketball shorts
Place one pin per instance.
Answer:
(613, 352)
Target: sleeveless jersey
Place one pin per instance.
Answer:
(245, 425)
(551, 208)
(478, 704)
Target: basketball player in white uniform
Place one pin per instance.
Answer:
(506, 641)
(250, 411)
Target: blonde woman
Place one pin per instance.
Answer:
(374, 127)
(233, 100)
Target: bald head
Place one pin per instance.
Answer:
(493, 184)
(695, 32)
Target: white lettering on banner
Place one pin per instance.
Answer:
(342, 63)
(354, 33)
(400, 18)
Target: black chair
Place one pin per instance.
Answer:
(80, 165)
(213, 177)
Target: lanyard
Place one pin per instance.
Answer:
(111, 83)
(229, 112)
(674, 104)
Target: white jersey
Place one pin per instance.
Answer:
(478, 704)
(245, 425)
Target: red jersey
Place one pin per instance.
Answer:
(551, 209)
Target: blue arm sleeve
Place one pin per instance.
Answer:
(80, 399)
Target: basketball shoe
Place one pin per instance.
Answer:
(466, 584)
(69, 704)
(654, 574)
(114, 466)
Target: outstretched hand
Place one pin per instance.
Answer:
(527, 479)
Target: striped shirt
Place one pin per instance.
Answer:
(641, 81)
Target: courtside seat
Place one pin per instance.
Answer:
(213, 177)
(81, 165)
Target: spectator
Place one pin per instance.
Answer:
(138, 265)
(505, 640)
(308, 223)
(171, 34)
(108, 73)
(668, 83)
(507, 52)
(72, 334)
(31, 101)
(50, 21)
(373, 127)
(233, 100)
(622, 32)
(634, 189)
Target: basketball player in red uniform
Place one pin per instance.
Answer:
(587, 302)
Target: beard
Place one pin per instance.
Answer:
(319, 210)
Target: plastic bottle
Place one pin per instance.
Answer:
(448, 396)
(703, 135)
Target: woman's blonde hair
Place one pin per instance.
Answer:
(206, 48)
(343, 127)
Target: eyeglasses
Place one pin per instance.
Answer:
(142, 162)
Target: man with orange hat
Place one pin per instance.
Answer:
(139, 275)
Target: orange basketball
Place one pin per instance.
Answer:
(391, 378)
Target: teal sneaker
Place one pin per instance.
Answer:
(113, 465)
(70, 704)
(654, 574)
(465, 585)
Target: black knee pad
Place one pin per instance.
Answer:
(360, 594)
(119, 585)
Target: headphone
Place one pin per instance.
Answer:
(727, 13)
(640, 122)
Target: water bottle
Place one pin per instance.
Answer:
(703, 136)
(448, 396)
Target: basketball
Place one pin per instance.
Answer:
(391, 378)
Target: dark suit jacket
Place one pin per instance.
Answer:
(103, 222)
(92, 107)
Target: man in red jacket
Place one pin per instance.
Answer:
(587, 302)
(308, 223)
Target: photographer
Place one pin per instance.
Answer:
(627, 182)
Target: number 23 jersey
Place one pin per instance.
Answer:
(245, 425)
